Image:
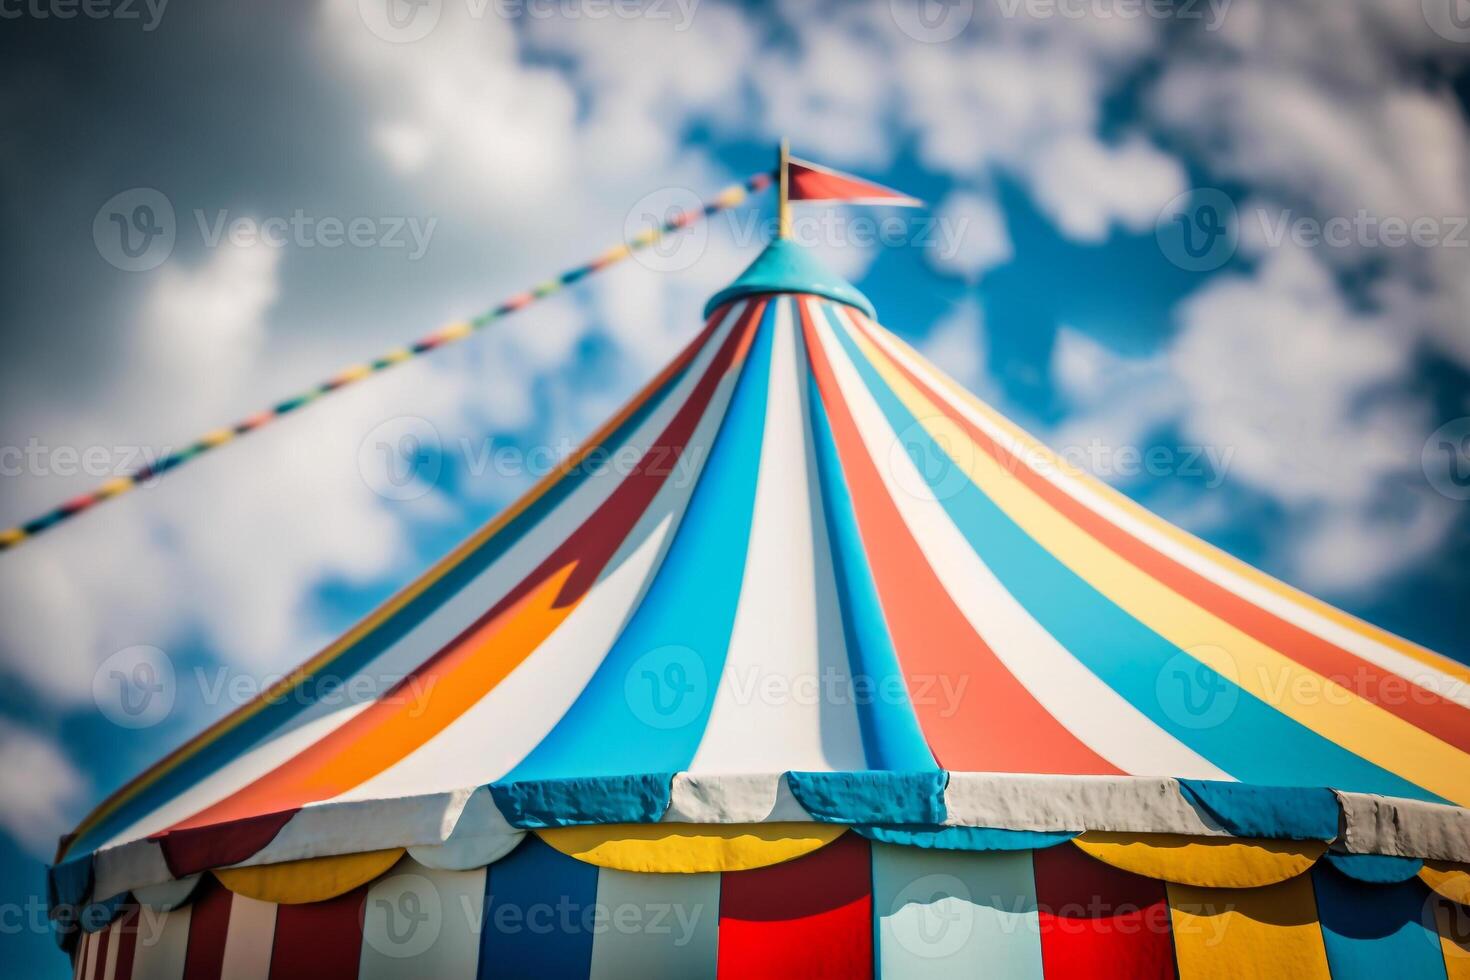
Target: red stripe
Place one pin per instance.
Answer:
(812, 917)
(209, 923)
(809, 184)
(193, 849)
(1099, 921)
(1424, 709)
(338, 761)
(127, 944)
(320, 940)
(1001, 727)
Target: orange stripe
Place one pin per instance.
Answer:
(1001, 727)
(377, 617)
(1425, 709)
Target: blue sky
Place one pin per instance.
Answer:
(1295, 389)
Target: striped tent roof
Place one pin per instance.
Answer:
(804, 577)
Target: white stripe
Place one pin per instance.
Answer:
(774, 706)
(733, 798)
(948, 914)
(249, 938)
(114, 939)
(440, 627)
(422, 922)
(87, 952)
(656, 925)
(1035, 457)
(499, 730)
(163, 941)
(1118, 804)
(480, 836)
(1101, 718)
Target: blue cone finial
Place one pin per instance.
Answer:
(786, 267)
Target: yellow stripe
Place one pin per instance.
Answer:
(115, 486)
(690, 848)
(217, 437)
(1208, 862)
(1453, 921)
(1202, 548)
(455, 331)
(1323, 706)
(1450, 880)
(369, 623)
(1232, 933)
(308, 880)
(12, 535)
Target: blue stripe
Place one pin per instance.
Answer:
(278, 716)
(540, 914)
(586, 800)
(1251, 740)
(964, 838)
(646, 706)
(871, 797)
(1376, 931)
(1375, 869)
(892, 738)
(1278, 812)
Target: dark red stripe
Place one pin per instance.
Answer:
(808, 918)
(209, 923)
(127, 944)
(193, 849)
(1099, 921)
(319, 940)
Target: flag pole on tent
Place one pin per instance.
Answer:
(783, 207)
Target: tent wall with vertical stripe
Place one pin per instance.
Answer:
(809, 663)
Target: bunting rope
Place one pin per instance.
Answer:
(730, 197)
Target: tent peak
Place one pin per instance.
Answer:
(786, 267)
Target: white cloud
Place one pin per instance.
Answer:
(1086, 185)
(978, 230)
(957, 345)
(40, 789)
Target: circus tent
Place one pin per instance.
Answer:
(809, 663)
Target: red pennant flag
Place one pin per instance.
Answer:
(810, 182)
